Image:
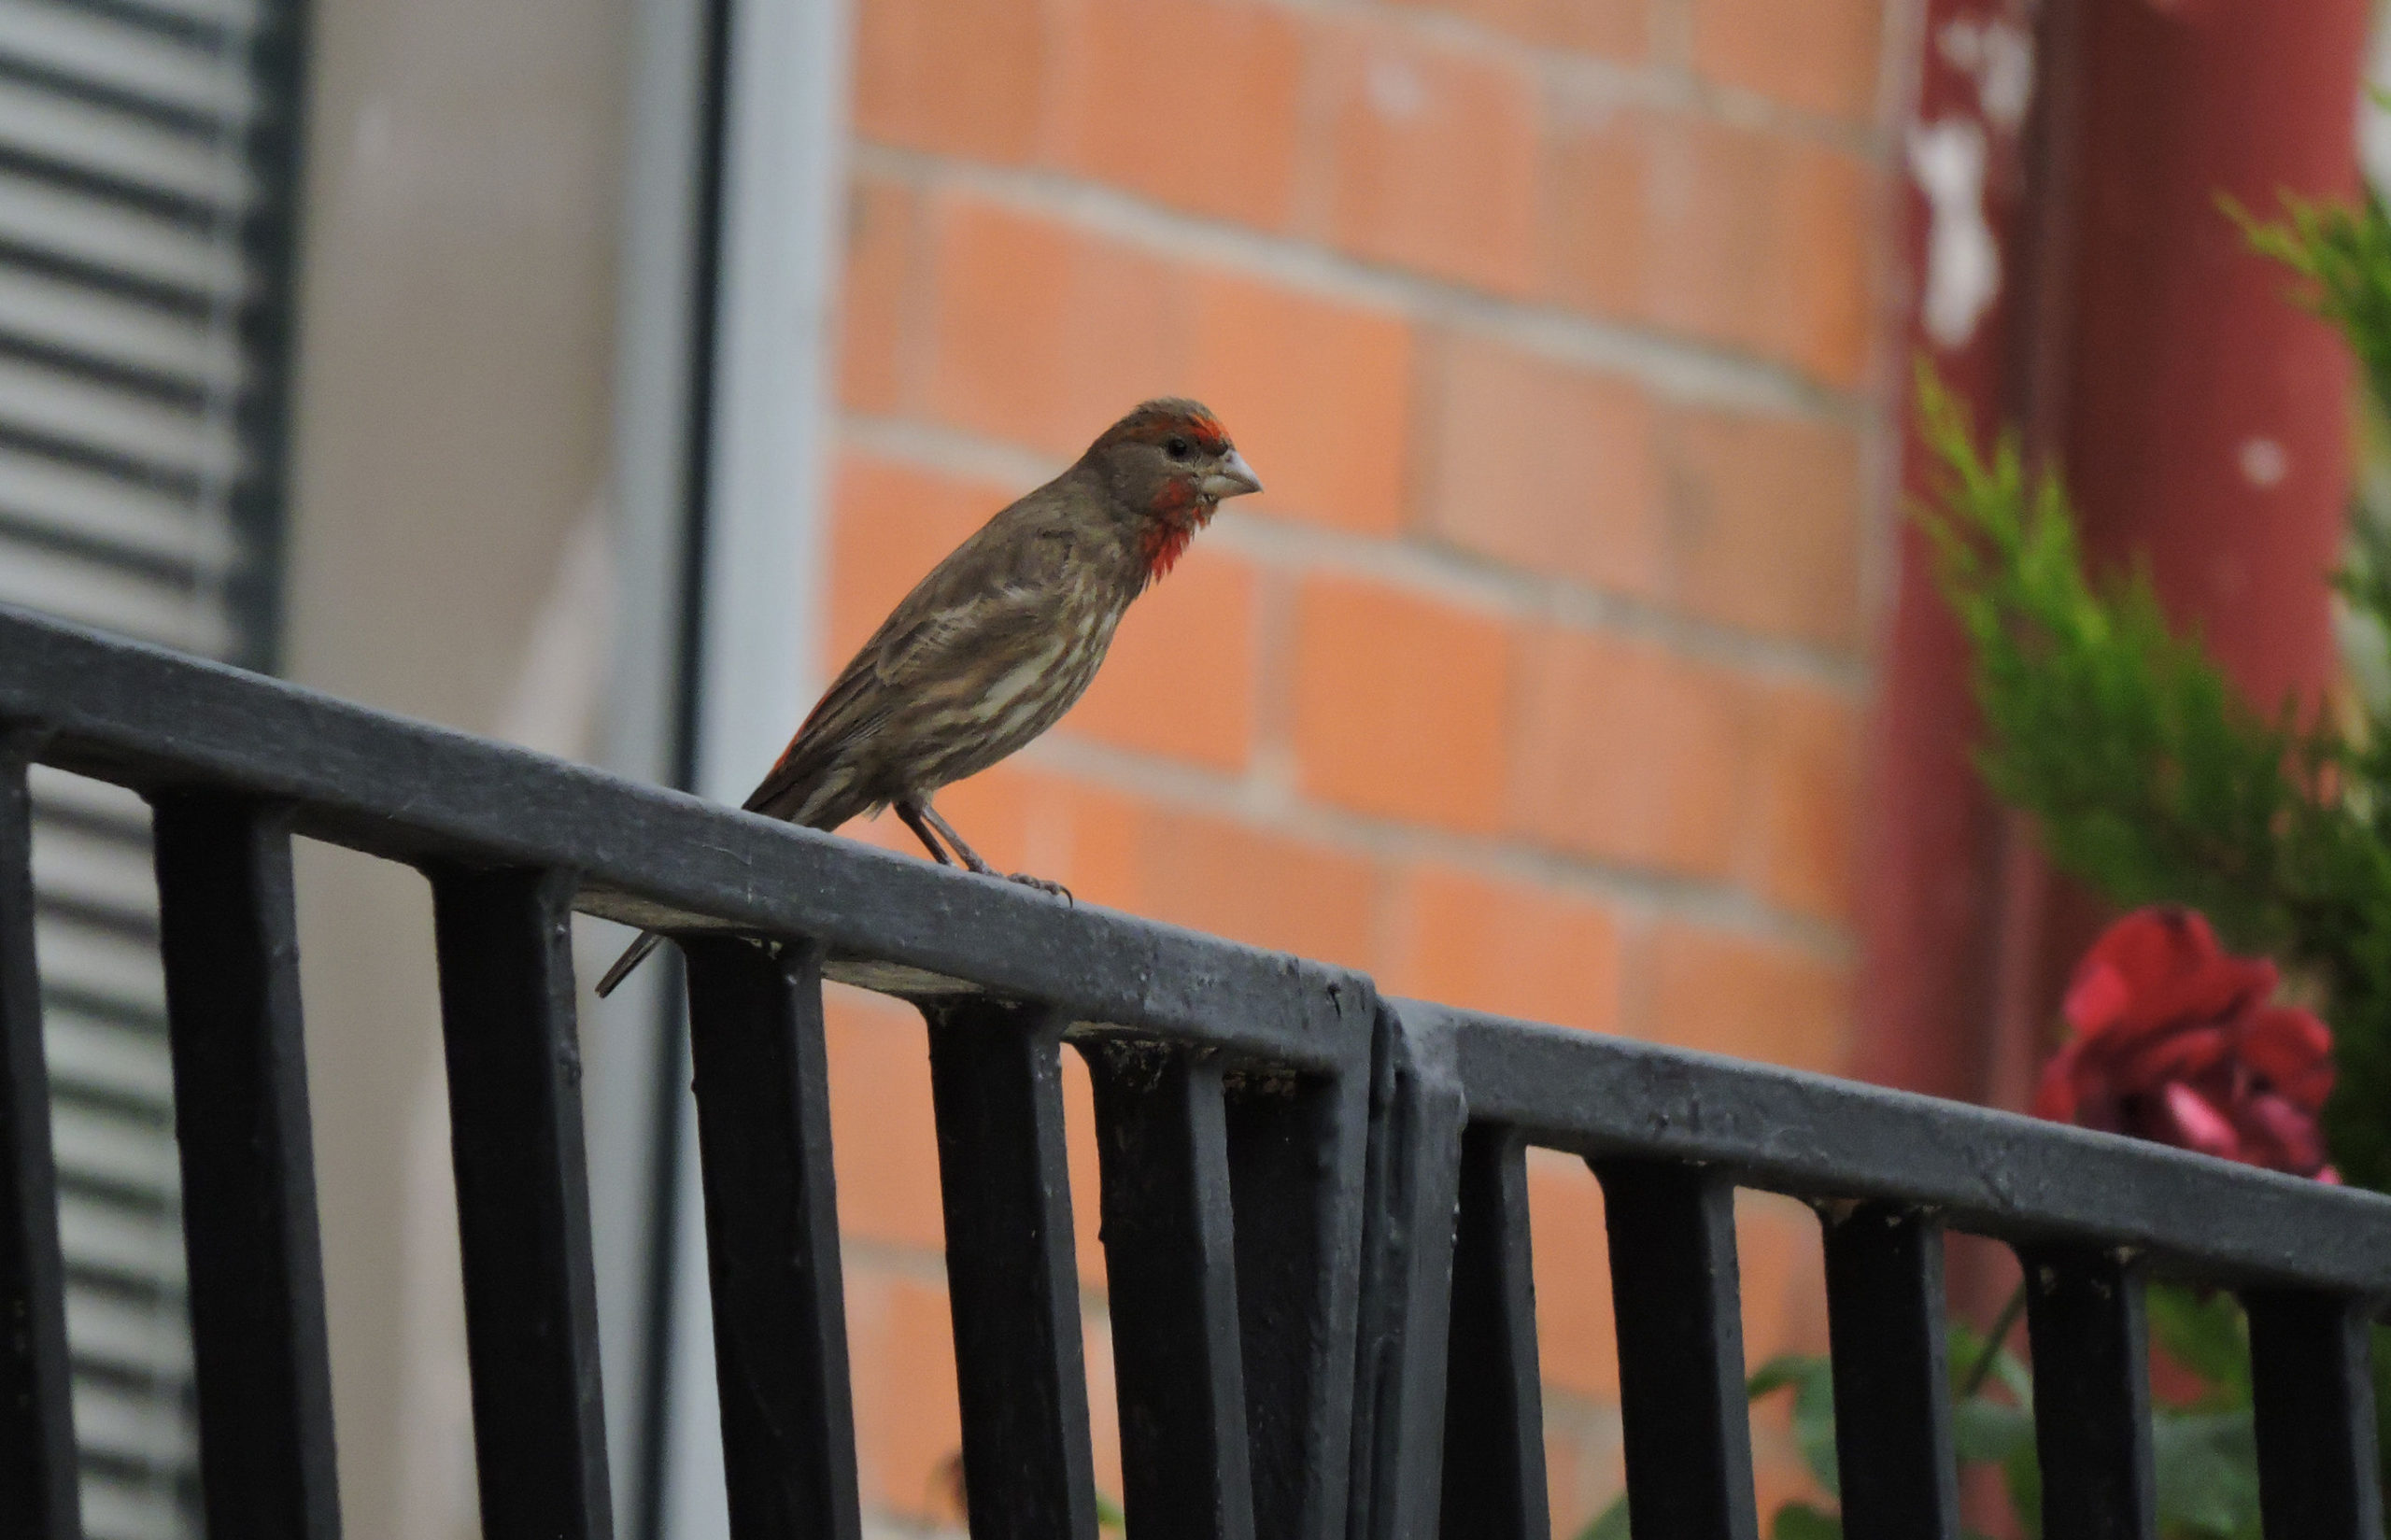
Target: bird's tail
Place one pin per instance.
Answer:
(632, 956)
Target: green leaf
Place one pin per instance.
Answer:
(1800, 1521)
(1965, 1345)
(1610, 1524)
(2022, 1474)
(2205, 1331)
(2207, 1469)
(1811, 1378)
(1992, 1433)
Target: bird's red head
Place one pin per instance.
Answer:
(1172, 463)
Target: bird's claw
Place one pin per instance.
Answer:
(1045, 885)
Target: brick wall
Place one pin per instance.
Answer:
(1535, 682)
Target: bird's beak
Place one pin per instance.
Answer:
(1232, 478)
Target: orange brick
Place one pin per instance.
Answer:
(1765, 515)
(883, 1120)
(1317, 393)
(1597, 227)
(1139, 94)
(1547, 468)
(1577, 1341)
(901, 1347)
(1806, 771)
(957, 77)
(1179, 681)
(1730, 234)
(1255, 886)
(1564, 1477)
(1611, 29)
(880, 244)
(1434, 158)
(1747, 996)
(1103, 1407)
(1399, 705)
(1631, 753)
(1818, 55)
(1045, 333)
(1508, 947)
(891, 524)
(1087, 1190)
(1581, 1461)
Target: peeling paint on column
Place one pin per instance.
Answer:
(1950, 159)
(1962, 258)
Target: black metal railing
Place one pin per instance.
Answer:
(1314, 1220)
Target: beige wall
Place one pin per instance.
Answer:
(458, 307)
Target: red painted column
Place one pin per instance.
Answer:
(2207, 419)
(2200, 419)
(1929, 895)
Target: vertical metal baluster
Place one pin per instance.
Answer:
(1012, 1269)
(1892, 1399)
(771, 1215)
(1413, 1182)
(1170, 1267)
(506, 1001)
(1296, 1147)
(1674, 1294)
(229, 939)
(38, 1496)
(2084, 1318)
(2313, 1377)
(1494, 1484)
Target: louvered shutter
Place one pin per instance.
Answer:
(147, 173)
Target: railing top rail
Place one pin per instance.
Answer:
(150, 719)
(1996, 1173)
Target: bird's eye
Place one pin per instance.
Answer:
(1178, 448)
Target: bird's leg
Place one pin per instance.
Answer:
(911, 812)
(971, 858)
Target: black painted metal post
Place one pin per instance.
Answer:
(1170, 1268)
(1675, 1296)
(1892, 1399)
(506, 1001)
(1494, 1483)
(780, 1324)
(229, 938)
(2312, 1373)
(1417, 1115)
(38, 1497)
(1295, 1147)
(1012, 1269)
(2084, 1318)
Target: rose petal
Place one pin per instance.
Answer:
(2097, 997)
(2198, 1125)
(2179, 1056)
(2288, 1138)
(2291, 1051)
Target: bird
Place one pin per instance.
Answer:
(1001, 638)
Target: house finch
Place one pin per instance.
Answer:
(1002, 637)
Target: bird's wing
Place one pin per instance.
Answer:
(989, 595)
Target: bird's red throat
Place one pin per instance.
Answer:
(1167, 533)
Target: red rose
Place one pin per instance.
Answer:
(2175, 1040)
